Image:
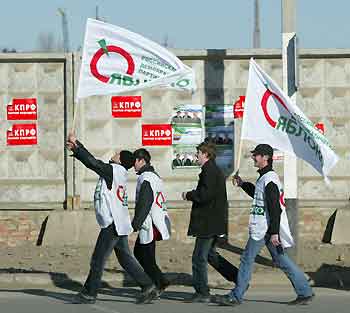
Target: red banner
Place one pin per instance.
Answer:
(22, 134)
(157, 135)
(126, 106)
(22, 109)
(238, 108)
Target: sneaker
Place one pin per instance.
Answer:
(198, 298)
(83, 298)
(146, 296)
(302, 300)
(226, 300)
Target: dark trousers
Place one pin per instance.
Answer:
(146, 255)
(205, 252)
(107, 241)
(221, 265)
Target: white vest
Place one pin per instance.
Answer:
(259, 219)
(158, 214)
(112, 205)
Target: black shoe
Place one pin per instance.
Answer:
(198, 298)
(302, 300)
(226, 300)
(162, 288)
(83, 298)
(149, 294)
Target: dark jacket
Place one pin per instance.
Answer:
(209, 214)
(272, 197)
(102, 169)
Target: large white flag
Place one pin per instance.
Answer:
(271, 117)
(116, 60)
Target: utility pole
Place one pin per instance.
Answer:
(289, 61)
(96, 13)
(256, 34)
(64, 30)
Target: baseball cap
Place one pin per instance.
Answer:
(263, 149)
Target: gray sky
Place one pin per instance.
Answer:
(194, 24)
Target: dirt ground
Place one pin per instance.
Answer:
(172, 257)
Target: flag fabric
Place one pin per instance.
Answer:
(271, 117)
(116, 60)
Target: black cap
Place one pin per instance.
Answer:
(263, 149)
(127, 159)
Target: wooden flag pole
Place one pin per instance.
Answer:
(74, 121)
(238, 163)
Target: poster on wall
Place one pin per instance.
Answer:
(156, 135)
(22, 134)
(188, 135)
(22, 109)
(238, 107)
(126, 106)
(219, 129)
(187, 114)
(188, 132)
(219, 113)
(184, 156)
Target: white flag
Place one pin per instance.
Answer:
(271, 117)
(116, 60)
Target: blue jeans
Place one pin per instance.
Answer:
(252, 249)
(205, 252)
(200, 264)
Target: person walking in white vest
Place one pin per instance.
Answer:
(111, 208)
(268, 225)
(151, 218)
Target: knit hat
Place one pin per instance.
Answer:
(127, 159)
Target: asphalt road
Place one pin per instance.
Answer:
(121, 300)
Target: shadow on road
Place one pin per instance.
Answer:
(331, 276)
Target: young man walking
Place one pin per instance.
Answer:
(110, 201)
(151, 218)
(268, 226)
(209, 221)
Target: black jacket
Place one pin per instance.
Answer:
(144, 201)
(102, 169)
(209, 214)
(272, 197)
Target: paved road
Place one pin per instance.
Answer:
(121, 300)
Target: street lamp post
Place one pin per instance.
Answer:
(289, 61)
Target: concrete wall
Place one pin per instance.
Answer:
(43, 177)
(222, 77)
(34, 174)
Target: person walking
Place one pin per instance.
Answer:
(268, 226)
(111, 208)
(151, 218)
(209, 222)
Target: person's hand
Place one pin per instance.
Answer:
(71, 137)
(237, 180)
(70, 146)
(183, 195)
(71, 141)
(275, 240)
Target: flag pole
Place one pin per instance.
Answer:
(74, 121)
(239, 153)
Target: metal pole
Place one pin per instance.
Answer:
(289, 61)
(256, 34)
